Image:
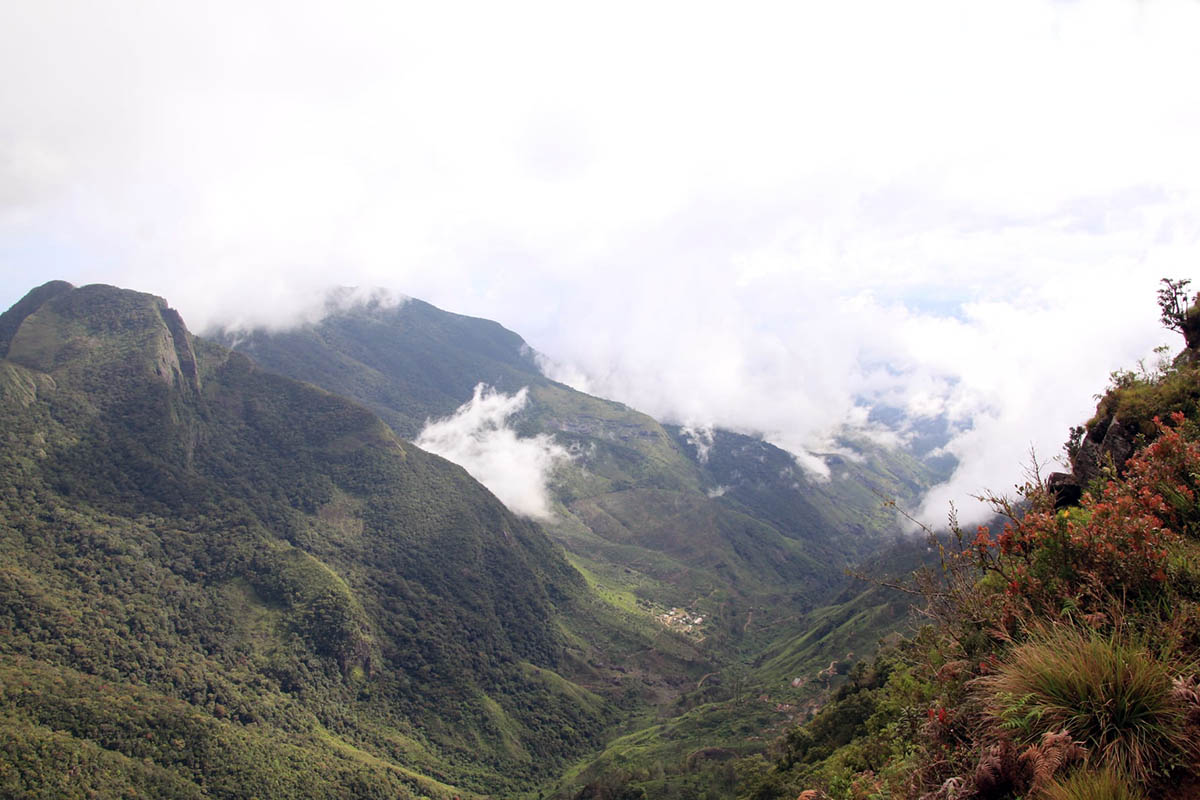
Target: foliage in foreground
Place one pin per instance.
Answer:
(1102, 784)
(1060, 655)
(1116, 698)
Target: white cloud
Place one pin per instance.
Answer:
(284, 305)
(563, 373)
(477, 438)
(750, 218)
(700, 437)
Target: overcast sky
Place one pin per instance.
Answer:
(745, 214)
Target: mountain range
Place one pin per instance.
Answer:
(670, 513)
(228, 571)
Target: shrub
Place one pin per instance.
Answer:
(1114, 548)
(1114, 697)
(1165, 475)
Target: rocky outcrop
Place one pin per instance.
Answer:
(1189, 326)
(185, 356)
(1107, 445)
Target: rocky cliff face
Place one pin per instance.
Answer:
(1108, 444)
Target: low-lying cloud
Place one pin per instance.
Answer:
(699, 437)
(287, 305)
(478, 438)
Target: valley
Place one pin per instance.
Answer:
(213, 553)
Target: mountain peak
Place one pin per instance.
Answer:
(11, 320)
(99, 330)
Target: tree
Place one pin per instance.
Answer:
(1180, 311)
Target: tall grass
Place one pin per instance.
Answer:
(1113, 696)
(1104, 784)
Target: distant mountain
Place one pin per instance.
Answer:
(759, 478)
(441, 359)
(648, 511)
(216, 581)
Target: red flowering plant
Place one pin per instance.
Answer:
(1105, 565)
(1166, 474)
(1115, 544)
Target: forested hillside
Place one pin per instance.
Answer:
(219, 582)
(717, 536)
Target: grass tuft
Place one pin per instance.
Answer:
(1103, 784)
(1114, 697)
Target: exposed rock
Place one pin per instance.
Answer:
(1190, 327)
(1108, 444)
(1066, 491)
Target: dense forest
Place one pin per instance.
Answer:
(220, 582)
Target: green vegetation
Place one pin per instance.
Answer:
(737, 536)
(740, 530)
(218, 582)
(1134, 398)
(1102, 784)
(407, 362)
(1114, 697)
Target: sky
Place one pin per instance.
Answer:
(762, 216)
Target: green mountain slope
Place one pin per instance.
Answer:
(716, 537)
(758, 478)
(407, 363)
(220, 582)
(639, 507)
